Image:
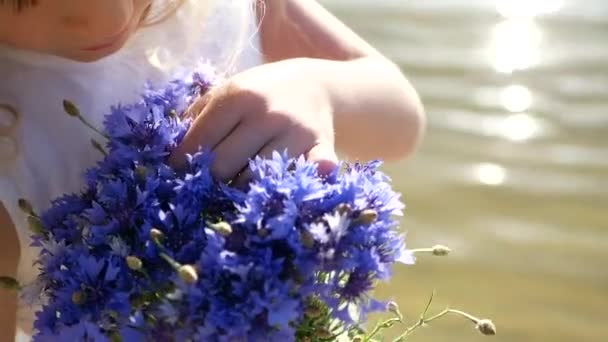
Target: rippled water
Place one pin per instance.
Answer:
(513, 174)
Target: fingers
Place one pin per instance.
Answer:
(325, 156)
(197, 107)
(218, 118)
(232, 154)
(236, 125)
(298, 142)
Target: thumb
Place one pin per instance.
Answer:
(325, 157)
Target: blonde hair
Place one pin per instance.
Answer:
(245, 10)
(166, 9)
(159, 15)
(244, 36)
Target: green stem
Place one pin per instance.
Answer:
(437, 250)
(98, 147)
(420, 323)
(465, 315)
(170, 260)
(422, 250)
(86, 123)
(424, 321)
(383, 325)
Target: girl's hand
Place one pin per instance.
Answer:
(272, 107)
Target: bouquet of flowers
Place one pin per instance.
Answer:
(147, 252)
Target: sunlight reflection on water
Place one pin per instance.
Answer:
(513, 170)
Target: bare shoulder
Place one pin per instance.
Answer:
(9, 241)
(304, 28)
(9, 259)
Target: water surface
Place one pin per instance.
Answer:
(513, 173)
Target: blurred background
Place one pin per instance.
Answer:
(513, 174)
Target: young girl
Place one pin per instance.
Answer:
(297, 79)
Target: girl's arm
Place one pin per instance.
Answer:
(9, 258)
(377, 111)
(323, 89)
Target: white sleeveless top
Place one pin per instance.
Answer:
(43, 152)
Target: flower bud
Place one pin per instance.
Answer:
(298, 277)
(137, 301)
(35, 224)
(486, 327)
(71, 109)
(263, 232)
(115, 336)
(223, 228)
(367, 216)
(156, 235)
(141, 171)
(188, 274)
(441, 250)
(313, 310)
(394, 308)
(26, 207)
(79, 297)
(308, 240)
(344, 209)
(134, 263)
(113, 314)
(9, 283)
(324, 334)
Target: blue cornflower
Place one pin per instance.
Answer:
(111, 256)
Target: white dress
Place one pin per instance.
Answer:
(43, 152)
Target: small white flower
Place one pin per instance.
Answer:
(338, 224)
(118, 246)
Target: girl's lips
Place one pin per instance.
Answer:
(109, 42)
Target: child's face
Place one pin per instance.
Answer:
(82, 30)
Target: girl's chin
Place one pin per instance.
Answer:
(88, 55)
